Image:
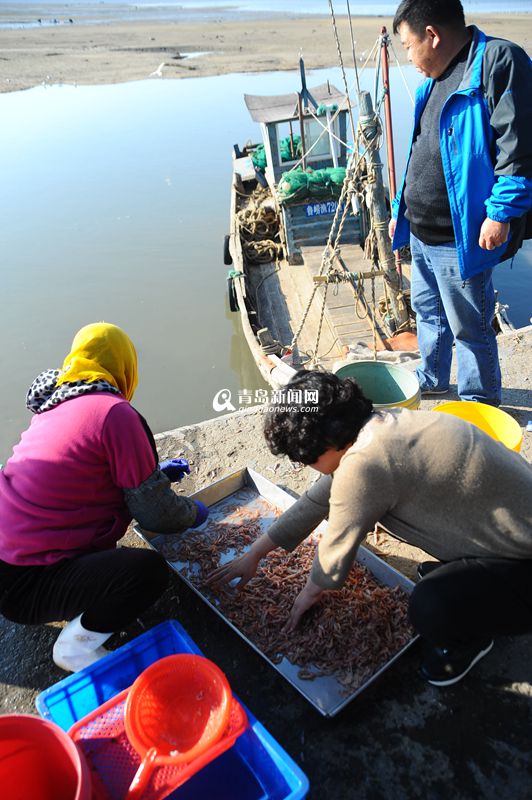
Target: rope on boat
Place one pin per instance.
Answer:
(344, 78)
(315, 357)
(350, 188)
(259, 228)
(331, 250)
(377, 73)
(402, 73)
(356, 179)
(328, 130)
(353, 48)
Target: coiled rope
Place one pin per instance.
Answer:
(259, 227)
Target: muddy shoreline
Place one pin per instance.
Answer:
(121, 51)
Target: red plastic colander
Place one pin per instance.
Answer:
(113, 761)
(176, 710)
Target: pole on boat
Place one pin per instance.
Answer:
(292, 148)
(392, 183)
(305, 94)
(369, 127)
(301, 130)
(331, 138)
(304, 98)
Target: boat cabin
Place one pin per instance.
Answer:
(303, 158)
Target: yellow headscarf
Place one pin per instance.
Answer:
(102, 351)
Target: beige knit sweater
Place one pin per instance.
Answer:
(430, 479)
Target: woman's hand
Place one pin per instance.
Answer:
(307, 597)
(175, 469)
(243, 567)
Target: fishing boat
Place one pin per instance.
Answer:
(312, 272)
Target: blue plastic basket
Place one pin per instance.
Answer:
(255, 768)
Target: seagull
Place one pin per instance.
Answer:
(158, 72)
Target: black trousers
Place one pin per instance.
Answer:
(473, 600)
(109, 589)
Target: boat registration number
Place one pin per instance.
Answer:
(321, 209)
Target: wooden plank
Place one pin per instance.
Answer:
(342, 316)
(341, 296)
(344, 330)
(353, 339)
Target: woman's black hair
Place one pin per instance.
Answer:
(419, 13)
(315, 411)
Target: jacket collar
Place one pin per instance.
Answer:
(473, 69)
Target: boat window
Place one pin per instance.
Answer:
(313, 131)
(289, 140)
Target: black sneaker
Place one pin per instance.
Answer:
(443, 667)
(426, 567)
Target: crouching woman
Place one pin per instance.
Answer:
(83, 469)
(431, 480)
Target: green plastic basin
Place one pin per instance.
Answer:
(386, 385)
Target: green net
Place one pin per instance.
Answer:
(323, 108)
(309, 184)
(290, 147)
(258, 156)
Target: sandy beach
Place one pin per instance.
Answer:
(68, 52)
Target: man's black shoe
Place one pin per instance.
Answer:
(426, 567)
(443, 667)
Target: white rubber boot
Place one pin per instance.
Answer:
(76, 648)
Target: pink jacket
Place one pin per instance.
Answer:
(61, 491)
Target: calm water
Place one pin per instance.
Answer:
(115, 202)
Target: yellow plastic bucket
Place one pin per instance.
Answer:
(386, 385)
(496, 423)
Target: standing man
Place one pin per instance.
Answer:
(467, 188)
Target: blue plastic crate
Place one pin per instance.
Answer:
(255, 768)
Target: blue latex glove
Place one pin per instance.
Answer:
(175, 469)
(203, 513)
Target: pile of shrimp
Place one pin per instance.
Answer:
(348, 635)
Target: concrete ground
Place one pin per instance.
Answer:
(401, 738)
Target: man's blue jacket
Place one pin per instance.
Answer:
(486, 149)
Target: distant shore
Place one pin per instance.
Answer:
(128, 51)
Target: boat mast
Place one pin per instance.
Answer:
(304, 99)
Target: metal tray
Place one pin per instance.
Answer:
(252, 491)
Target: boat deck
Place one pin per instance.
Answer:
(283, 295)
(348, 313)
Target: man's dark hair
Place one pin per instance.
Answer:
(303, 429)
(419, 13)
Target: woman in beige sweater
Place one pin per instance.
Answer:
(431, 480)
